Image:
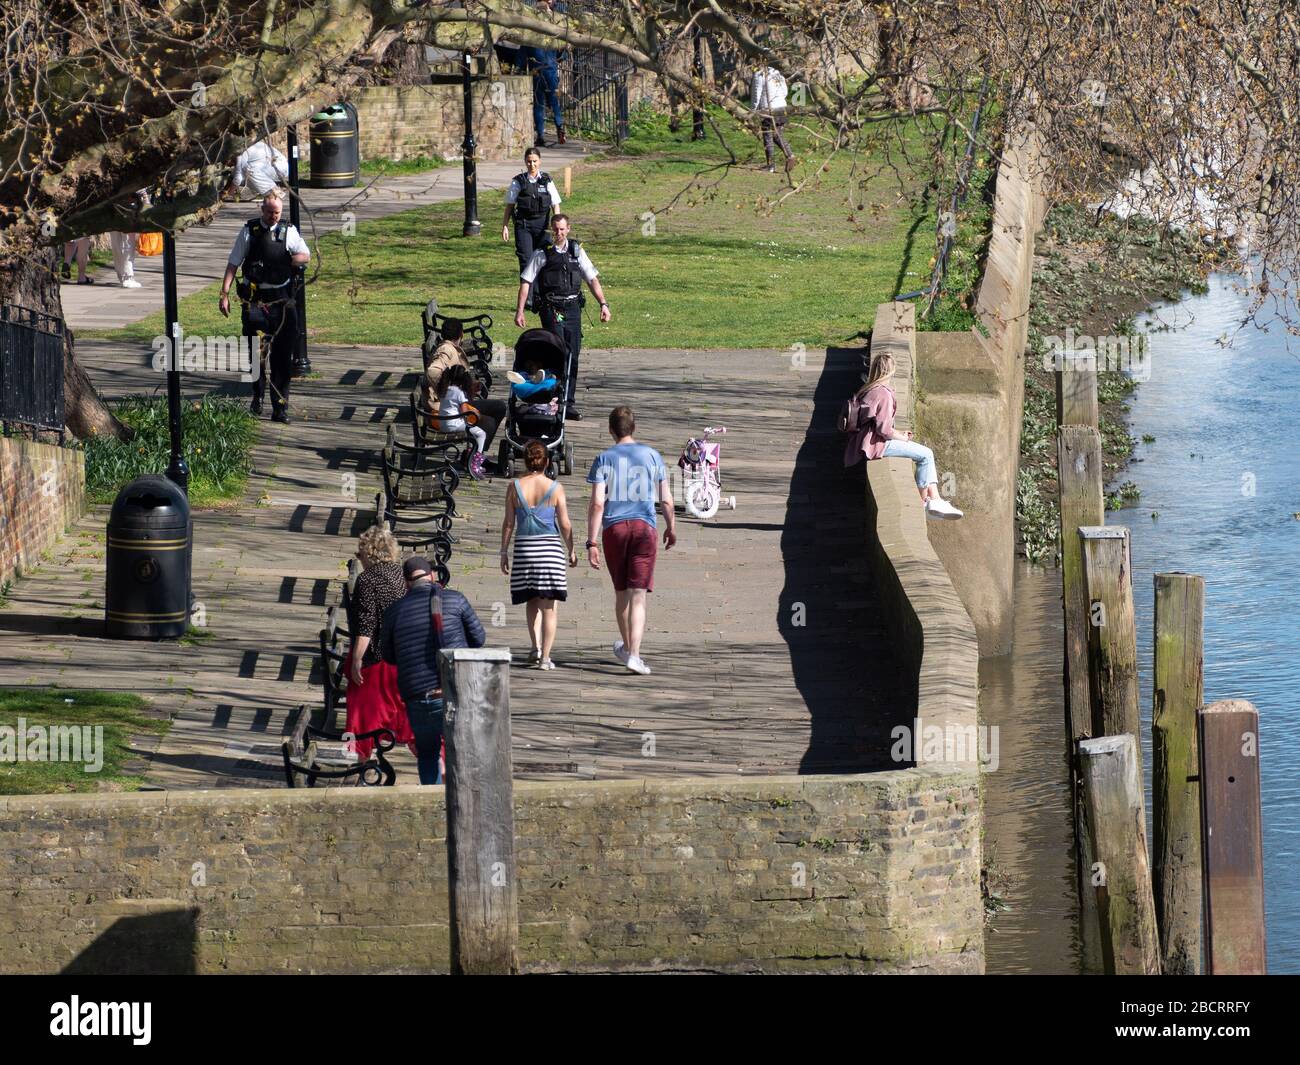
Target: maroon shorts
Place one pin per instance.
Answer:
(630, 549)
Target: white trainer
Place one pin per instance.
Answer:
(515, 377)
(620, 652)
(131, 282)
(941, 510)
(637, 665)
(546, 663)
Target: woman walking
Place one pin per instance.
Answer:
(373, 699)
(871, 421)
(537, 515)
(531, 198)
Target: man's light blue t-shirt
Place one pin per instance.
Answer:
(631, 474)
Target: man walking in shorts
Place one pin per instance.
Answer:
(627, 480)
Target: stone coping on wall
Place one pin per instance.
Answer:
(937, 635)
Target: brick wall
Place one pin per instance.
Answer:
(839, 874)
(42, 492)
(407, 121)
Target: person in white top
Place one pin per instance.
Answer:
(768, 96)
(531, 198)
(261, 168)
(123, 245)
(559, 269)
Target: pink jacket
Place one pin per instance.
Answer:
(875, 425)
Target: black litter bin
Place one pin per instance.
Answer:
(335, 148)
(147, 571)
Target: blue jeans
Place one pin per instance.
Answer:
(918, 453)
(426, 722)
(546, 82)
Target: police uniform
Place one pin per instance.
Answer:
(557, 274)
(533, 202)
(265, 256)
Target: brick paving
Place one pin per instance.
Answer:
(766, 655)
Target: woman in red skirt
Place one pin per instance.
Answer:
(373, 698)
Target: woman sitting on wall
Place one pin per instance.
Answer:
(870, 418)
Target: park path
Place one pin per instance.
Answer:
(765, 652)
(202, 251)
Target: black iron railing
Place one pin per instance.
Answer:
(31, 368)
(593, 96)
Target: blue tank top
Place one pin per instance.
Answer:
(535, 521)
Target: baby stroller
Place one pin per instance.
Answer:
(701, 465)
(524, 421)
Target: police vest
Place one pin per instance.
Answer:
(268, 263)
(561, 276)
(534, 200)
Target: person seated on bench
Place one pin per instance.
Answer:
(454, 392)
(869, 419)
(447, 354)
(373, 699)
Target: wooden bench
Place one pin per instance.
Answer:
(311, 754)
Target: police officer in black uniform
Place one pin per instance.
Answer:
(559, 269)
(531, 198)
(269, 252)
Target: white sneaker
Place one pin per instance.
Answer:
(131, 282)
(515, 377)
(546, 663)
(941, 510)
(538, 376)
(620, 652)
(637, 665)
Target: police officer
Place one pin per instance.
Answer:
(559, 270)
(531, 198)
(269, 252)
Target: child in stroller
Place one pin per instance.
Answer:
(535, 408)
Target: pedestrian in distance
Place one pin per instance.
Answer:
(530, 199)
(269, 253)
(426, 620)
(537, 516)
(626, 481)
(869, 418)
(544, 65)
(767, 96)
(559, 269)
(261, 168)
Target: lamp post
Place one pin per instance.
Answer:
(301, 360)
(697, 65)
(177, 470)
(469, 148)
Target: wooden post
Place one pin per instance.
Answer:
(1112, 632)
(568, 181)
(481, 878)
(1232, 847)
(1110, 771)
(1178, 694)
(1078, 461)
(1076, 397)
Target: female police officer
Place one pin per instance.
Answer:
(531, 198)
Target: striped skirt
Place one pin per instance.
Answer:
(540, 569)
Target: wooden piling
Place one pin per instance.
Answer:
(1076, 397)
(484, 915)
(568, 181)
(1232, 847)
(1078, 460)
(1177, 696)
(1112, 632)
(1110, 773)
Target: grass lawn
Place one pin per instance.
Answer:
(720, 263)
(219, 433)
(118, 714)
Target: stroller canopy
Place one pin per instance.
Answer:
(543, 347)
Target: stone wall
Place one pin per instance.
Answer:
(42, 492)
(974, 386)
(408, 121)
(874, 873)
(937, 641)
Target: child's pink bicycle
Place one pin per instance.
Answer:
(701, 464)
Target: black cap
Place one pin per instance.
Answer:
(416, 566)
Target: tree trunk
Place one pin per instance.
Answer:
(33, 282)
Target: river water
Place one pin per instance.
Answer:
(1220, 486)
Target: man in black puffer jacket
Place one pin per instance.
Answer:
(416, 628)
